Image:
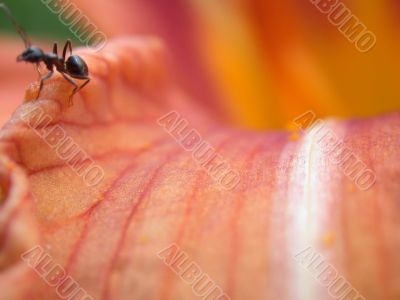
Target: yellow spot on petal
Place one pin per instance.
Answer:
(100, 198)
(351, 187)
(146, 146)
(143, 239)
(328, 239)
(294, 136)
(47, 210)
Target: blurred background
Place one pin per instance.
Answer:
(253, 63)
(37, 20)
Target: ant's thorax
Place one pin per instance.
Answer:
(52, 60)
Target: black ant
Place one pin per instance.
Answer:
(74, 66)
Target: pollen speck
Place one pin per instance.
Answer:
(328, 239)
(294, 136)
(351, 188)
(143, 239)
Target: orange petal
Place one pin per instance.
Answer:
(291, 194)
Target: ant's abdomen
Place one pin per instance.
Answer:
(76, 67)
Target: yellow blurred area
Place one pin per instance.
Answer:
(292, 59)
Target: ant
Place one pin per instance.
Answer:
(73, 67)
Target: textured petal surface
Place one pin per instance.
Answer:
(291, 194)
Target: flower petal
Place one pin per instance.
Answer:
(291, 195)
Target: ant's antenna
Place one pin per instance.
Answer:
(21, 32)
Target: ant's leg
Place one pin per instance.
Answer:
(76, 87)
(42, 80)
(83, 85)
(68, 44)
(55, 51)
(37, 68)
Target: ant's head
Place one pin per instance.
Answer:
(32, 55)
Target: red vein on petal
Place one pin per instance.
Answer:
(119, 246)
(231, 272)
(166, 282)
(89, 212)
